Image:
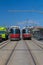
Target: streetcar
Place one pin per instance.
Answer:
(14, 33)
(38, 33)
(26, 34)
(3, 33)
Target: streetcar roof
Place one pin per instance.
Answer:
(17, 27)
(37, 28)
(25, 28)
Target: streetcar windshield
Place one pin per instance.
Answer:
(26, 31)
(2, 32)
(15, 31)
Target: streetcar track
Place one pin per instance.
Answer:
(19, 50)
(3, 44)
(6, 63)
(30, 53)
(37, 44)
(11, 54)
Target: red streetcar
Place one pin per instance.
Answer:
(26, 33)
(15, 33)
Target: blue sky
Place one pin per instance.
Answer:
(13, 18)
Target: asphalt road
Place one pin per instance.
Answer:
(36, 51)
(5, 52)
(20, 55)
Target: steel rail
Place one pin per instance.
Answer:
(4, 44)
(37, 44)
(11, 54)
(30, 53)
